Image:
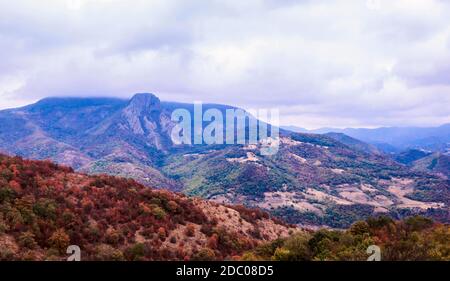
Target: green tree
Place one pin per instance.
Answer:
(45, 208)
(27, 240)
(135, 252)
(360, 228)
(205, 254)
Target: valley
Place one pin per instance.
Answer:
(331, 180)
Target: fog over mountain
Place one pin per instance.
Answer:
(323, 64)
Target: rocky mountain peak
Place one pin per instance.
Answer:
(144, 102)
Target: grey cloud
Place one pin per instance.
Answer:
(335, 63)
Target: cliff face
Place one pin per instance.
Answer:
(95, 135)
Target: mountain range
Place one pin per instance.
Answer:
(313, 180)
(49, 212)
(394, 139)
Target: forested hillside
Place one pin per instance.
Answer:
(44, 208)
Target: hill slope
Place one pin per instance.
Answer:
(354, 143)
(44, 208)
(412, 239)
(313, 179)
(436, 163)
(409, 156)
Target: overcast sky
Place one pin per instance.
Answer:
(348, 64)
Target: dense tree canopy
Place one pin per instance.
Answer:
(415, 238)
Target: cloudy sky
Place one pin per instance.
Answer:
(343, 64)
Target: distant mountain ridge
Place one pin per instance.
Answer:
(354, 143)
(313, 179)
(394, 139)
